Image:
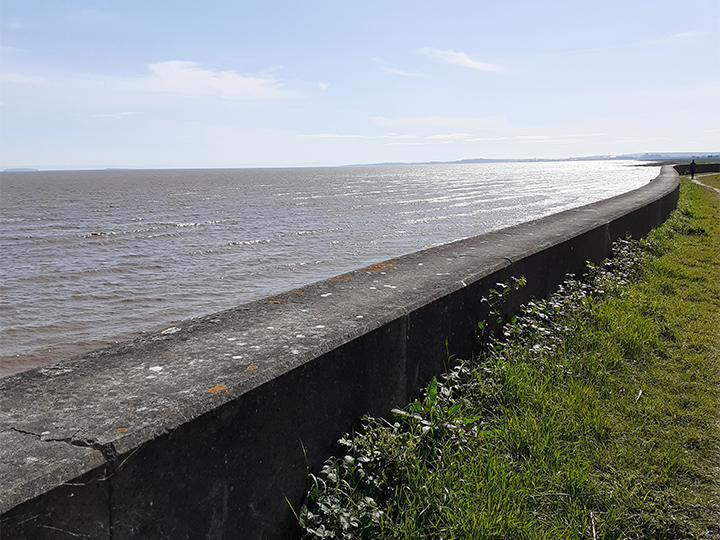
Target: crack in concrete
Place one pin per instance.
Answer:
(26, 432)
(107, 450)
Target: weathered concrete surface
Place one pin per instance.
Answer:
(206, 430)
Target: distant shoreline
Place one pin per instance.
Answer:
(656, 157)
(651, 157)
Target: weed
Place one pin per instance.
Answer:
(591, 414)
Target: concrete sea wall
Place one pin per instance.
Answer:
(700, 168)
(207, 429)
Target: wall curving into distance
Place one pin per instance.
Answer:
(207, 429)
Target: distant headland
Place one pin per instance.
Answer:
(646, 156)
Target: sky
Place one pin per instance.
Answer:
(283, 83)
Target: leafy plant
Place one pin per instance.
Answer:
(590, 414)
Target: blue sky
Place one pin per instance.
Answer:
(220, 83)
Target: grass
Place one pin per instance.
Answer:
(709, 179)
(594, 415)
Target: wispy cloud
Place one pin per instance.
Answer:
(393, 70)
(438, 138)
(174, 76)
(19, 78)
(413, 143)
(444, 124)
(517, 138)
(554, 139)
(458, 58)
(439, 130)
(182, 77)
(115, 116)
(449, 136)
(334, 136)
(399, 136)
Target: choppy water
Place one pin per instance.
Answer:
(89, 257)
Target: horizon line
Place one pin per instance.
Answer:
(635, 156)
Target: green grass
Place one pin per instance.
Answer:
(709, 179)
(594, 416)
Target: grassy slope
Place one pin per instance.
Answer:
(709, 179)
(597, 419)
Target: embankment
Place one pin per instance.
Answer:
(206, 430)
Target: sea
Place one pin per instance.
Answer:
(90, 258)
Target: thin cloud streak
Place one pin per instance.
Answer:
(449, 136)
(19, 78)
(182, 77)
(445, 123)
(458, 58)
(395, 139)
(392, 70)
(116, 116)
(395, 71)
(438, 131)
(334, 136)
(173, 77)
(399, 136)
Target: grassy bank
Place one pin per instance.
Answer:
(595, 415)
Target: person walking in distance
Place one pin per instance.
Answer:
(693, 168)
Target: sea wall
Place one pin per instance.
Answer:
(207, 429)
(700, 168)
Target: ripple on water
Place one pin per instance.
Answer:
(90, 257)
